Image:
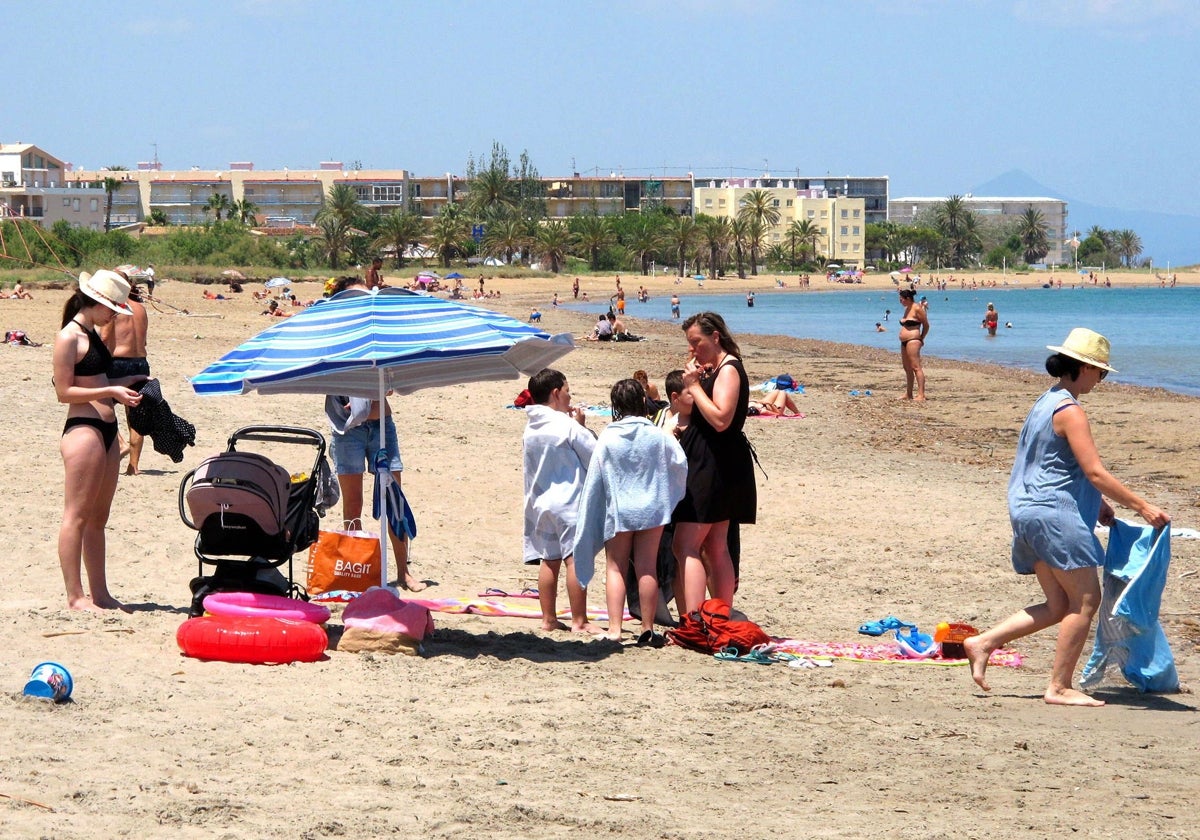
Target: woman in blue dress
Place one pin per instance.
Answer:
(1055, 497)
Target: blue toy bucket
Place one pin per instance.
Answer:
(50, 681)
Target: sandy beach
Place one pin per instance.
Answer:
(869, 507)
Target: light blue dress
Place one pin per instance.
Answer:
(1051, 504)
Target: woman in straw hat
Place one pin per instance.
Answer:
(89, 440)
(1055, 497)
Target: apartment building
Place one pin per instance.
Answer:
(842, 220)
(1054, 212)
(34, 185)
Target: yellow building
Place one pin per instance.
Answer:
(34, 185)
(841, 220)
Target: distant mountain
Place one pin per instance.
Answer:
(1166, 237)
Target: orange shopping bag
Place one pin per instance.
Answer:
(343, 560)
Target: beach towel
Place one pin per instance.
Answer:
(1128, 633)
(510, 607)
(400, 516)
(860, 652)
(637, 476)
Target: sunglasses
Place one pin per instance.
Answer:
(1103, 372)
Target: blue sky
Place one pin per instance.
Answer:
(1096, 99)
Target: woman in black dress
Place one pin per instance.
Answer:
(720, 487)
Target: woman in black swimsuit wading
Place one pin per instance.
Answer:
(89, 448)
(720, 484)
(914, 326)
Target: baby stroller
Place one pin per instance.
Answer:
(251, 516)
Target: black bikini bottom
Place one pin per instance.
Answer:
(906, 340)
(107, 428)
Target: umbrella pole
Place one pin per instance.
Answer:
(383, 500)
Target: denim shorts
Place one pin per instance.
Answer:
(354, 452)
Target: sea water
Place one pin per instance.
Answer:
(1155, 332)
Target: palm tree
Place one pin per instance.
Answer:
(738, 233)
(218, 203)
(758, 206)
(960, 228)
(643, 242)
(716, 232)
(552, 243)
(244, 211)
(1129, 246)
(593, 234)
(681, 233)
(339, 211)
(806, 234)
(756, 237)
(1105, 236)
(399, 230)
(492, 194)
(504, 237)
(111, 185)
(1032, 231)
(447, 234)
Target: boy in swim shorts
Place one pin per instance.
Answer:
(557, 451)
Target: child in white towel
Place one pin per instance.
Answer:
(637, 476)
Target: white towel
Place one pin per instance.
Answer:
(637, 476)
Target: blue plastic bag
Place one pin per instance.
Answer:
(1128, 633)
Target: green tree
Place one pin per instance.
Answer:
(244, 210)
(110, 184)
(739, 236)
(399, 230)
(339, 212)
(758, 206)
(644, 241)
(504, 237)
(805, 233)
(447, 235)
(716, 232)
(681, 234)
(1128, 246)
(552, 242)
(1034, 236)
(592, 235)
(158, 218)
(960, 229)
(218, 203)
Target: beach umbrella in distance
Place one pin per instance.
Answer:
(363, 344)
(906, 270)
(130, 270)
(427, 273)
(278, 283)
(833, 265)
(698, 277)
(454, 275)
(233, 274)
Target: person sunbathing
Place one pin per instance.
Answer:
(19, 293)
(274, 310)
(775, 403)
(208, 295)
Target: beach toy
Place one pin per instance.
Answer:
(951, 637)
(259, 605)
(916, 645)
(255, 640)
(878, 628)
(50, 681)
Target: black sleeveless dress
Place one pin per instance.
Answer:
(720, 482)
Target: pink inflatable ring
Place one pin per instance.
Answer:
(256, 605)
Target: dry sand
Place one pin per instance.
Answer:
(872, 507)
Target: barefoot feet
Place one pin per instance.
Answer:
(978, 654)
(555, 624)
(1070, 697)
(412, 584)
(588, 628)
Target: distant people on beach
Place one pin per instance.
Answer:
(880, 327)
(750, 299)
(914, 326)
(207, 294)
(126, 339)
(720, 485)
(637, 475)
(374, 278)
(575, 288)
(535, 317)
(674, 307)
(1055, 498)
(90, 453)
(775, 403)
(150, 281)
(558, 450)
(19, 293)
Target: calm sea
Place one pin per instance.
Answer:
(1155, 332)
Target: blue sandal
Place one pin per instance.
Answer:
(878, 628)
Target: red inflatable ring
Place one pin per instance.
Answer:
(256, 605)
(261, 641)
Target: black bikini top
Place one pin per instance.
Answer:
(97, 358)
(911, 323)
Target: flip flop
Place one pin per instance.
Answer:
(652, 639)
(916, 645)
(878, 628)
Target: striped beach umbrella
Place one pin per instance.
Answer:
(364, 344)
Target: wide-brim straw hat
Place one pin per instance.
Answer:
(107, 287)
(1087, 346)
